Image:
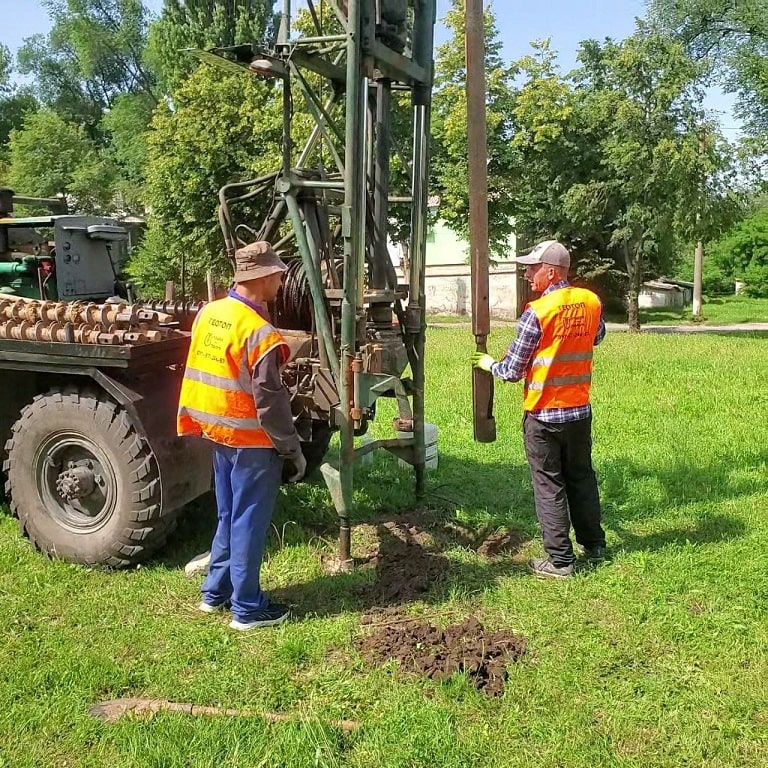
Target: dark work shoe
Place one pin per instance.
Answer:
(544, 569)
(269, 616)
(595, 553)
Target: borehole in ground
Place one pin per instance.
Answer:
(422, 648)
(406, 551)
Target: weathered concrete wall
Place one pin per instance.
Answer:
(448, 285)
(649, 298)
(448, 291)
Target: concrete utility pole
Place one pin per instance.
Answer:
(698, 257)
(477, 158)
(698, 261)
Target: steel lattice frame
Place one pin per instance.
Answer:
(377, 47)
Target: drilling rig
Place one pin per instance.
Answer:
(93, 467)
(329, 218)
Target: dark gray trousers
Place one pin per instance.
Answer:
(564, 485)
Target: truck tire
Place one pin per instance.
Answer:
(83, 481)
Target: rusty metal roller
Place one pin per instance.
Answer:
(53, 311)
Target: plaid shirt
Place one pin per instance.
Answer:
(518, 357)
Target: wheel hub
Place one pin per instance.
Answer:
(75, 483)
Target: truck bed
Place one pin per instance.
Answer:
(59, 355)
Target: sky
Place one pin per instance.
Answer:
(565, 22)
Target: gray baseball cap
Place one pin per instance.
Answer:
(547, 252)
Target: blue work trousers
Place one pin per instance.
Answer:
(247, 481)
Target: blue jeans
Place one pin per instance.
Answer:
(247, 481)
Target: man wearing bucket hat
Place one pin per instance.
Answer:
(553, 354)
(232, 394)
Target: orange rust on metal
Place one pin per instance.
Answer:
(81, 322)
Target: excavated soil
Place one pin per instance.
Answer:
(501, 543)
(424, 649)
(408, 555)
(405, 570)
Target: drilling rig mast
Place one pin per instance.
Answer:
(330, 219)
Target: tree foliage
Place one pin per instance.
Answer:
(50, 156)
(449, 132)
(640, 102)
(732, 39)
(203, 24)
(90, 72)
(125, 127)
(222, 128)
(92, 55)
(15, 104)
(741, 254)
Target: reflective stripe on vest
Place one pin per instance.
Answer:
(228, 340)
(560, 374)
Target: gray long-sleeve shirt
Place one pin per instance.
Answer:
(273, 405)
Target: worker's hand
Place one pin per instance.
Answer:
(482, 361)
(297, 467)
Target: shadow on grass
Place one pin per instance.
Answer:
(470, 528)
(631, 493)
(401, 543)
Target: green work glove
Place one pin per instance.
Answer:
(482, 361)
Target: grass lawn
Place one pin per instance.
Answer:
(724, 310)
(658, 658)
(721, 310)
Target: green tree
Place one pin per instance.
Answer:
(15, 104)
(449, 132)
(50, 156)
(639, 102)
(221, 128)
(203, 24)
(741, 254)
(555, 147)
(126, 126)
(547, 146)
(92, 55)
(731, 37)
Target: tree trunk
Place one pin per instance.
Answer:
(405, 258)
(633, 260)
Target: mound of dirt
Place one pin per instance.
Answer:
(438, 654)
(405, 571)
(501, 543)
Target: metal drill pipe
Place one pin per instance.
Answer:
(477, 154)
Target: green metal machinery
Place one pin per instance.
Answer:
(330, 218)
(80, 261)
(93, 467)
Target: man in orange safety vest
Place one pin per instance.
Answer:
(232, 394)
(552, 353)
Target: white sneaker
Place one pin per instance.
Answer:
(198, 564)
(209, 608)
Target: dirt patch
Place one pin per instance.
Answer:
(405, 569)
(421, 647)
(501, 543)
(408, 559)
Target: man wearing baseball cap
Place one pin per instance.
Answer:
(552, 353)
(232, 394)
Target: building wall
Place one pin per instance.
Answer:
(649, 298)
(449, 291)
(448, 281)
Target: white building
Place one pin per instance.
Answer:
(448, 282)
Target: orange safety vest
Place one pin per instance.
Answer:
(228, 340)
(560, 372)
